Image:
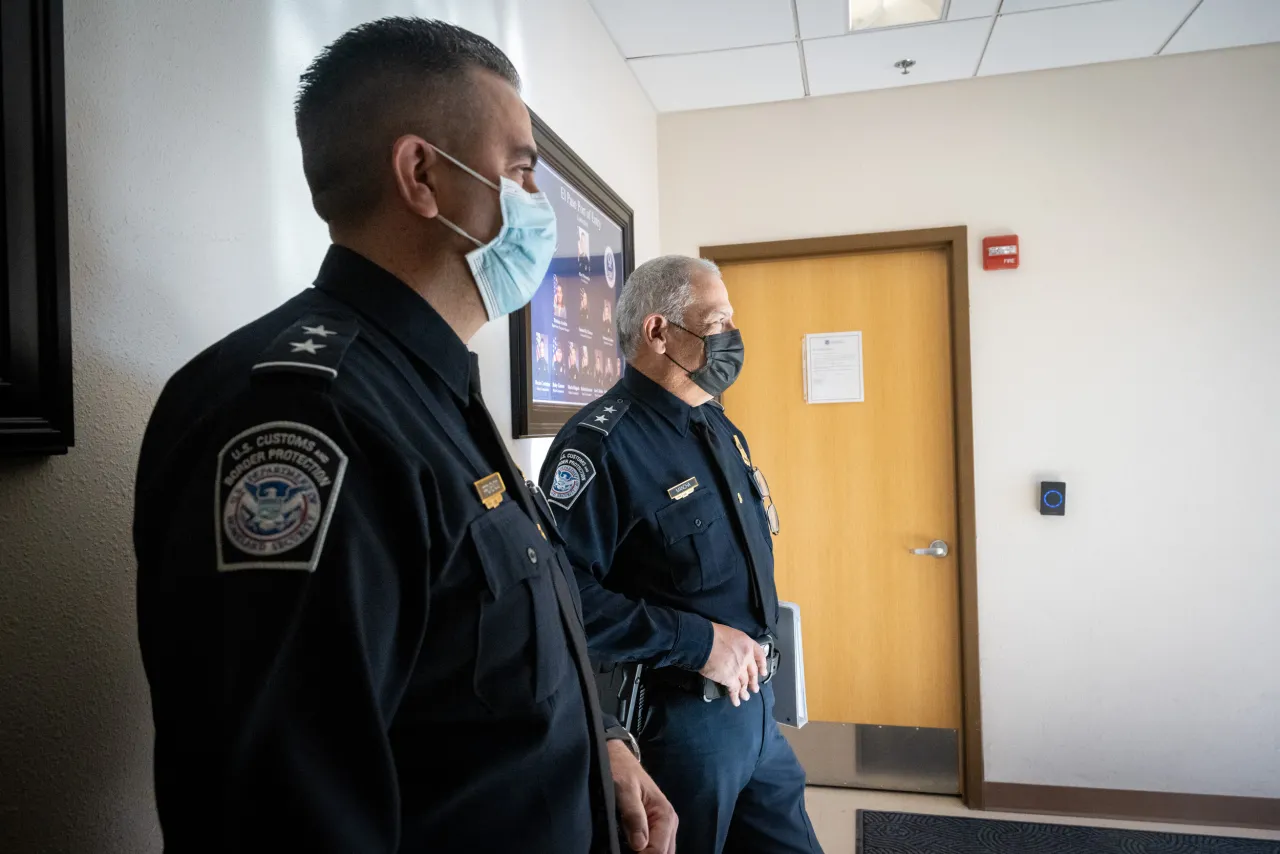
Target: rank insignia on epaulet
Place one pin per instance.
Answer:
(607, 412)
(313, 345)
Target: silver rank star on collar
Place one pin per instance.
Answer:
(318, 330)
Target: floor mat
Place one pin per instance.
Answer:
(909, 833)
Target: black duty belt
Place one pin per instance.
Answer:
(696, 683)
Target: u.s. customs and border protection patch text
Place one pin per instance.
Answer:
(574, 472)
(277, 487)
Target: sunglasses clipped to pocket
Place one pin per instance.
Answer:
(770, 509)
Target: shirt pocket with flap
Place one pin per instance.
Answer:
(522, 652)
(699, 541)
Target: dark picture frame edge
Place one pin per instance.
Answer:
(36, 404)
(530, 419)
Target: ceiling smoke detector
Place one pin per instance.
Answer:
(871, 14)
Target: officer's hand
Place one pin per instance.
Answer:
(648, 819)
(736, 662)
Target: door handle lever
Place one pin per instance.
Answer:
(937, 548)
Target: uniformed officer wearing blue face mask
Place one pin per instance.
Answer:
(669, 526)
(374, 644)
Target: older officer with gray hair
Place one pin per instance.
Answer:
(669, 527)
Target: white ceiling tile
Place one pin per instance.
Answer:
(962, 9)
(1083, 34)
(1013, 6)
(1228, 23)
(725, 78)
(654, 27)
(819, 18)
(862, 61)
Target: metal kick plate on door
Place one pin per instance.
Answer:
(866, 756)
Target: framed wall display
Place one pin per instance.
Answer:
(564, 347)
(35, 312)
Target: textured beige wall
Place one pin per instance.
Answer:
(1134, 643)
(189, 217)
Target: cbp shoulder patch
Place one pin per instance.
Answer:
(314, 345)
(574, 472)
(607, 412)
(276, 490)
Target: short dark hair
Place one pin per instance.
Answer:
(377, 82)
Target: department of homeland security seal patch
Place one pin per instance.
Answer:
(277, 485)
(574, 472)
(272, 509)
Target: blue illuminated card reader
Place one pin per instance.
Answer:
(1053, 498)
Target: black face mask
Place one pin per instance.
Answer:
(724, 357)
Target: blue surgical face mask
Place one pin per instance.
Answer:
(509, 269)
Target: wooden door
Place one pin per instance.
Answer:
(858, 485)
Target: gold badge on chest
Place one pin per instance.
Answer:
(683, 489)
(491, 489)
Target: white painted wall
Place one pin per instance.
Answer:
(189, 217)
(1134, 643)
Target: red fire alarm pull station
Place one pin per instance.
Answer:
(1000, 253)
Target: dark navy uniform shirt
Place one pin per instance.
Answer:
(357, 638)
(665, 526)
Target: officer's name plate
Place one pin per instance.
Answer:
(683, 489)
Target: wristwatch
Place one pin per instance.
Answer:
(620, 733)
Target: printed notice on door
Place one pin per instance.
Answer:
(833, 367)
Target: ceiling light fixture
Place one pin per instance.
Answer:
(870, 14)
(863, 13)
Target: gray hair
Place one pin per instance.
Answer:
(661, 286)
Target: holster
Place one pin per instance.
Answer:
(696, 683)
